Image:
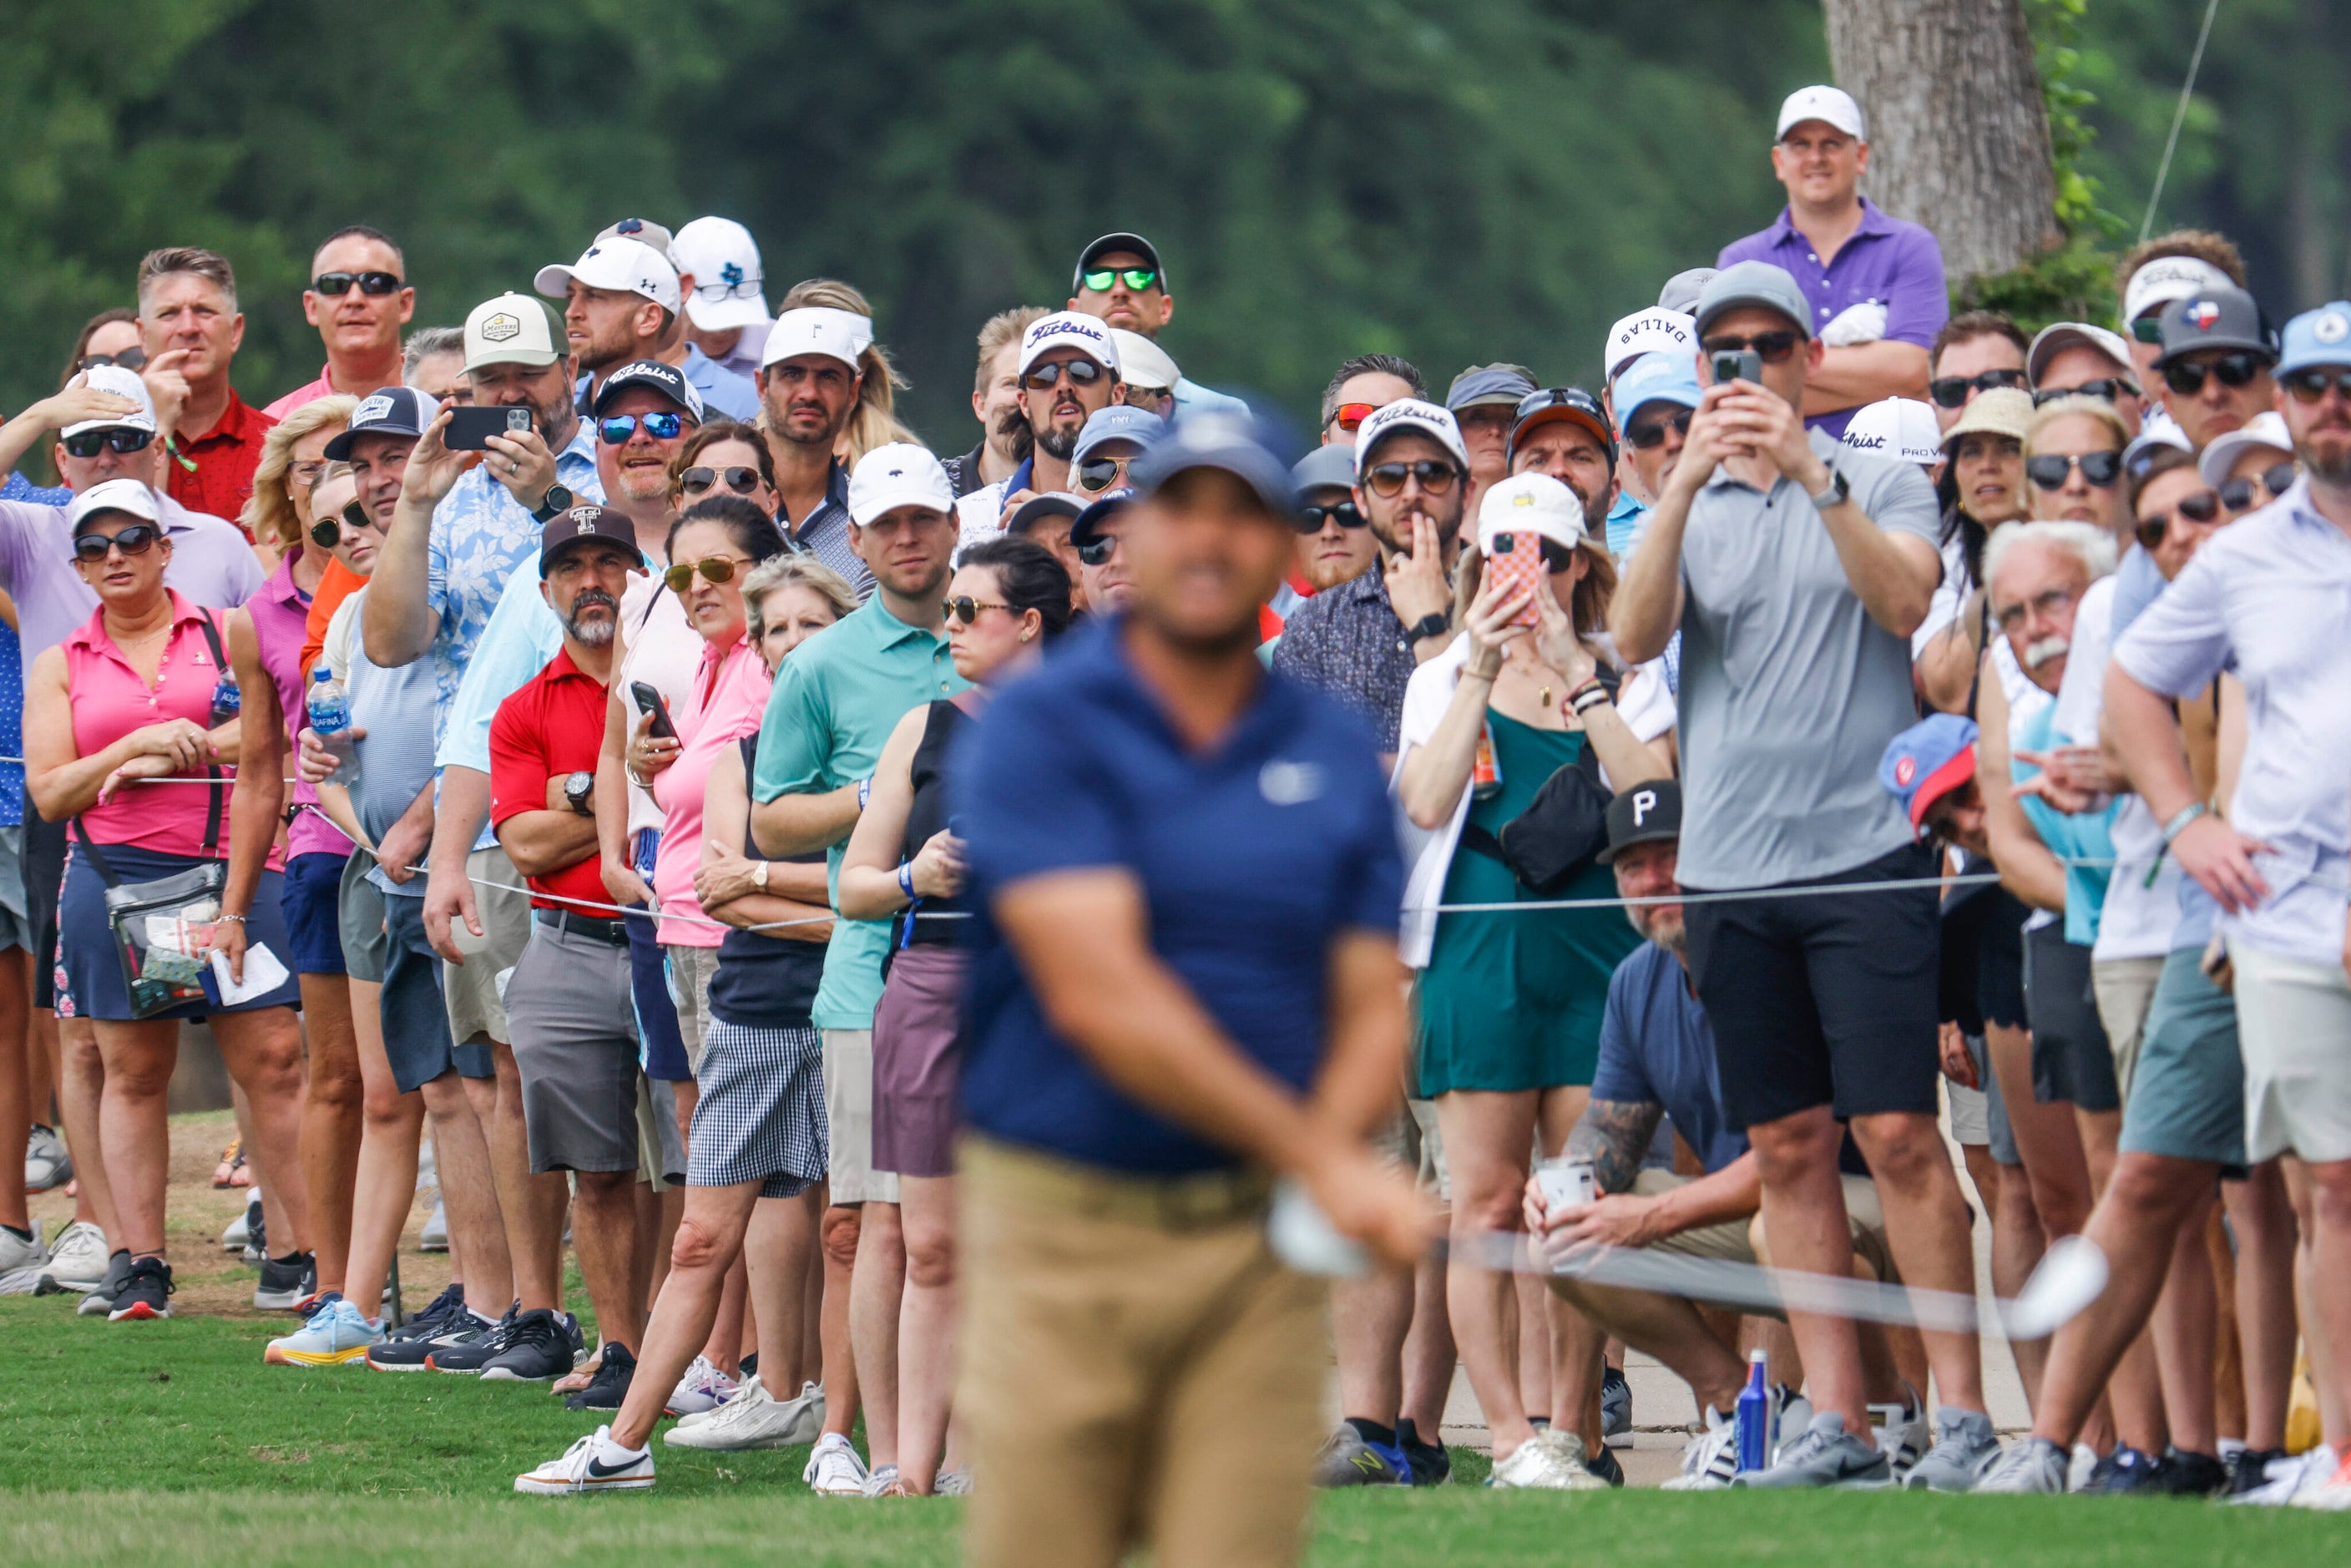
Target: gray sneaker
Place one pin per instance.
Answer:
(1965, 1448)
(100, 1302)
(2034, 1468)
(1823, 1455)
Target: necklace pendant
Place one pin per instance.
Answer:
(1546, 696)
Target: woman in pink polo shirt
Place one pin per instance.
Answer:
(124, 703)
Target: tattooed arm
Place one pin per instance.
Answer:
(1614, 1136)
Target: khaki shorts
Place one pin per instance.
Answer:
(1138, 1370)
(1410, 1141)
(2293, 1029)
(1732, 1241)
(690, 970)
(475, 991)
(2126, 991)
(849, 1114)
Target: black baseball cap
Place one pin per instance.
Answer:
(582, 523)
(666, 380)
(1649, 812)
(387, 410)
(1121, 241)
(1109, 506)
(1571, 404)
(2216, 318)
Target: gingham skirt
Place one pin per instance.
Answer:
(762, 1114)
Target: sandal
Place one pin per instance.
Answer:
(232, 1161)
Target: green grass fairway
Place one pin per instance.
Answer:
(172, 1442)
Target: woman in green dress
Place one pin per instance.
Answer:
(1510, 1004)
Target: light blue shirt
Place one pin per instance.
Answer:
(480, 536)
(723, 390)
(1626, 518)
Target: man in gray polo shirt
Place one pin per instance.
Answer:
(1796, 571)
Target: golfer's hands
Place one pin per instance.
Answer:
(1370, 1202)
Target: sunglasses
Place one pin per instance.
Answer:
(1081, 372)
(1952, 392)
(328, 532)
(2310, 385)
(1556, 556)
(1096, 474)
(2049, 601)
(2110, 388)
(121, 438)
(1344, 513)
(694, 481)
(375, 284)
(128, 359)
(713, 568)
(1651, 433)
(2237, 495)
(1772, 347)
(2100, 469)
(1348, 415)
(136, 539)
(1436, 476)
(1097, 549)
(2149, 329)
(962, 607)
(2200, 509)
(616, 428)
(1136, 278)
(2186, 377)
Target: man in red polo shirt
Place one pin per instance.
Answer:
(187, 307)
(575, 1030)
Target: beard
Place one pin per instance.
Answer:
(2329, 462)
(1667, 931)
(1057, 443)
(594, 633)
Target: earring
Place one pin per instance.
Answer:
(1024, 636)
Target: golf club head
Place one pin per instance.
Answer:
(2072, 1274)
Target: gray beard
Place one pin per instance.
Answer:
(1057, 444)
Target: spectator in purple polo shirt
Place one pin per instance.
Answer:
(1874, 283)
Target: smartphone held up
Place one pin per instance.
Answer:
(470, 429)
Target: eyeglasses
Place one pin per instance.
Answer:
(328, 532)
(962, 607)
(121, 438)
(616, 428)
(375, 283)
(1436, 476)
(713, 568)
(303, 470)
(694, 481)
(2237, 495)
(2110, 388)
(2049, 601)
(1348, 415)
(1136, 278)
(2186, 377)
(2197, 508)
(1772, 347)
(1651, 433)
(1082, 372)
(136, 539)
(130, 359)
(1556, 556)
(1097, 549)
(1096, 474)
(2310, 385)
(742, 289)
(2100, 469)
(1310, 520)
(1951, 391)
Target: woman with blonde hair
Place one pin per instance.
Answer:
(876, 422)
(2074, 458)
(293, 454)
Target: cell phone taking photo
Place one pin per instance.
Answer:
(470, 429)
(1737, 365)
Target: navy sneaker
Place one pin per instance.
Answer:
(445, 1310)
(1615, 1410)
(1431, 1465)
(473, 1348)
(609, 1386)
(538, 1349)
(146, 1293)
(1352, 1460)
(1606, 1465)
(2249, 1468)
(2125, 1471)
(401, 1351)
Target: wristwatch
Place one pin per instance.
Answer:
(577, 788)
(1429, 626)
(553, 505)
(760, 875)
(1838, 491)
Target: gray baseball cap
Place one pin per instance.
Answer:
(1324, 468)
(1757, 283)
(1682, 289)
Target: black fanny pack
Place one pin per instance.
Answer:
(1547, 845)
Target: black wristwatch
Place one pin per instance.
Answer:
(1429, 626)
(553, 505)
(1836, 492)
(577, 788)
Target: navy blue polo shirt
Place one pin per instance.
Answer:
(1253, 857)
(1657, 1049)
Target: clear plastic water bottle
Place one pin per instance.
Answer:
(1752, 1418)
(330, 708)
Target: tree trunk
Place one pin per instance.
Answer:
(1959, 136)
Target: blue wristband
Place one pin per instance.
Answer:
(907, 879)
(865, 789)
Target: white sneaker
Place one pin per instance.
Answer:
(881, 1482)
(1903, 1432)
(234, 1238)
(2325, 1485)
(2078, 1468)
(2285, 1479)
(27, 1253)
(1551, 1460)
(78, 1257)
(753, 1418)
(1710, 1459)
(703, 1389)
(47, 1164)
(952, 1483)
(834, 1469)
(594, 1463)
(435, 1237)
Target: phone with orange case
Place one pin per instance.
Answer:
(1517, 562)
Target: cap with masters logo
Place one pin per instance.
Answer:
(511, 330)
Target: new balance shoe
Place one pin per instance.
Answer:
(609, 1389)
(1548, 1461)
(102, 1301)
(834, 1469)
(2194, 1475)
(1431, 1465)
(435, 1237)
(23, 1251)
(1351, 1460)
(1823, 1455)
(47, 1164)
(146, 1293)
(77, 1258)
(1616, 1408)
(2033, 1468)
(2125, 1472)
(335, 1335)
(1902, 1430)
(594, 1463)
(704, 1388)
(284, 1282)
(536, 1349)
(1965, 1448)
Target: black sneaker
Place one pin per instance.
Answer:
(537, 1351)
(447, 1310)
(2249, 1468)
(1603, 1463)
(609, 1386)
(2125, 1472)
(1431, 1465)
(473, 1348)
(118, 1273)
(146, 1293)
(2192, 1475)
(1615, 1410)
(285, 1283)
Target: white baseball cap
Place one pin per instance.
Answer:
(121, 382)
(1647, 332)
(725, 261)
(899, 474)
(511, 330)
(623, 266)
(1069, 329)
(2167, 278)
(1833, 105)
(1529, 503)
(842, 335)
(1143, 363)
(1409, 413)
(2060, 336)
(1896, 427)
(2266, 428)
(114, 495)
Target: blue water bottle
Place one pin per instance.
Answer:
(1752, 1420)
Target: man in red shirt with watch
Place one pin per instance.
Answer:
(575, 1032)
